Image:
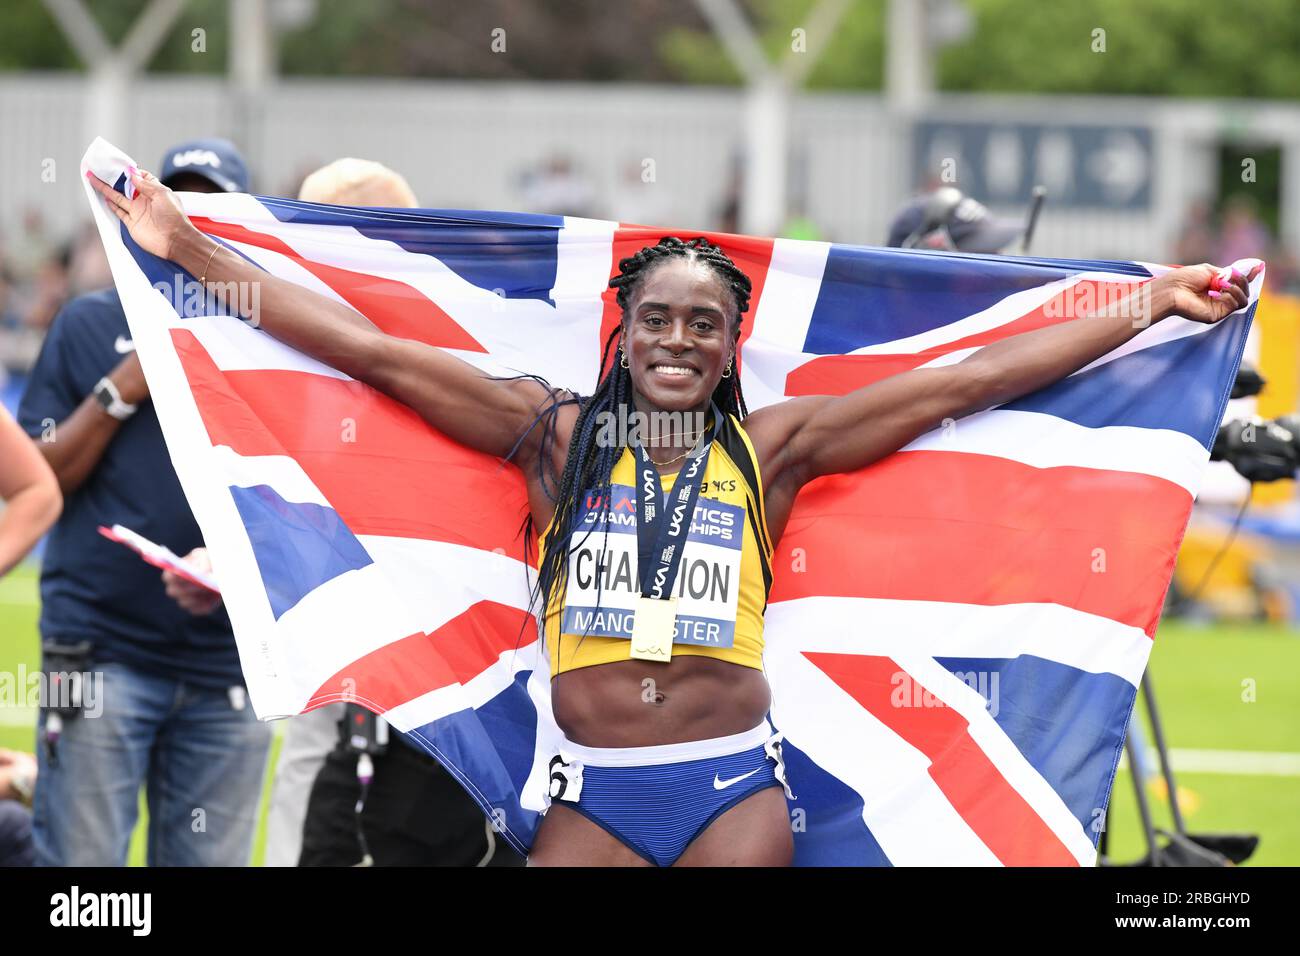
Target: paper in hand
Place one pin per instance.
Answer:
(160, 556)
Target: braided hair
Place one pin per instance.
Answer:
(588, 465)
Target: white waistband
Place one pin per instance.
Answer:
(668, 753)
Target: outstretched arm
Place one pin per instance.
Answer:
(451, 395)
(822, 435)
(29, 490)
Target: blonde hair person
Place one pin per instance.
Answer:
(310, 738)
(357, 182)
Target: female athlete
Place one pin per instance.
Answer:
(665, 763)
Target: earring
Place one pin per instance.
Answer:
(622, 358)
(726, 373)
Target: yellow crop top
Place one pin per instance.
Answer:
(722, 585)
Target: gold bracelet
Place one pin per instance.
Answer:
(204, 278)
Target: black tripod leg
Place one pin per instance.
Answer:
(1139, 787)
(1149, 693)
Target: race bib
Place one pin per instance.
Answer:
(708, 582)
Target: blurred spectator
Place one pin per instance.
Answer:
(558, 189)
(948, 219)
(172, 712)
(49, 288)
(637, 201)
(728, 211)
(1242, 235)
(88, 269)
(17, 777)
(799, 225)
(34, 248)
(413, 811)
(1196, 241)
(1283, 273)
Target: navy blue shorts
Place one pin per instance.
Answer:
(656, 800)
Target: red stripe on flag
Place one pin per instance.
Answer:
(841, 374)
(376, 462)
(455, 653)
(974, 529)
(397, 308)
(960, 768)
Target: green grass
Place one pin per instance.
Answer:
(1200, 674)
(20, 645)
(1203, 679)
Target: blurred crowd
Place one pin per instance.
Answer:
(41, 267)
(43, 264)
(1235, 231)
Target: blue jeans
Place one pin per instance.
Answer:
(200, 760)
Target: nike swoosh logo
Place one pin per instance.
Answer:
(724, 784)
(123, 345)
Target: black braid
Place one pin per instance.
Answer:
(587, 465)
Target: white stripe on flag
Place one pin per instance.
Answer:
(236, 346)
(885, 627)
(910, 817)
(1045, 441)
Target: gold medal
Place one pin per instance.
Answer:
(652, 629)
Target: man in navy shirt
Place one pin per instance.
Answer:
(170, 707)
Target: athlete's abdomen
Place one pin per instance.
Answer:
(637, 704)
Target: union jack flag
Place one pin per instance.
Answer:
(955, 635)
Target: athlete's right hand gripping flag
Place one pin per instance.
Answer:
(955, 634)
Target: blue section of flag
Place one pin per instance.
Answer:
(1027, 699)
(511, 254)
(1170, 377)
(833, 831)
(490, 753)
(298, 546)
(869, 296)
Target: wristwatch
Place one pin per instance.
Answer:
(110, 399)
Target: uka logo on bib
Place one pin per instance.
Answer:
(708, 582)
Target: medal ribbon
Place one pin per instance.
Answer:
(661, 530)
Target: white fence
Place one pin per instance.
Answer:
(465, 145)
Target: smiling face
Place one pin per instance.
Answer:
(679, 335)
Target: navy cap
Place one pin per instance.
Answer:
(968, 224)
(216, 160)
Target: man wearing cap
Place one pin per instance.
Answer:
(163, 699)
(948, 219)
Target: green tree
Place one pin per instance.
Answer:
(1152, 48)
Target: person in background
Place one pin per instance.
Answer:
(414, 812)
(30, 493)
(1195, 241)
(946, 218)
(32, 503)
(1241, 234)
(557, 188)
(17, 776)
(172, 712)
